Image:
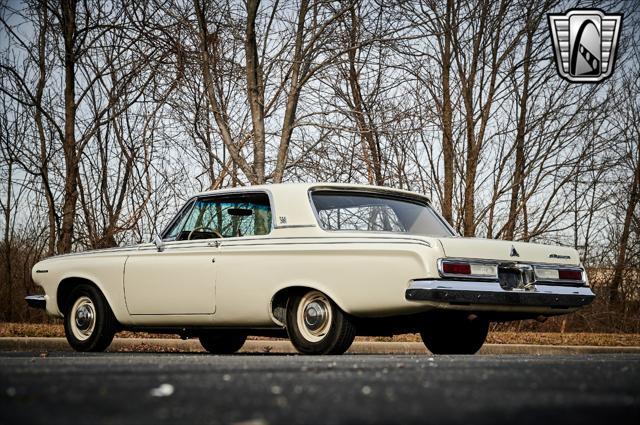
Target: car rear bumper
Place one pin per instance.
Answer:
(478, 293)
(37, 301)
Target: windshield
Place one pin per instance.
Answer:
(376, 213)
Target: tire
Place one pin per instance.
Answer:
(222, 343)
(315, 325)
(89, 323)
(454, 334)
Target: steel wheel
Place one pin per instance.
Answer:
(89, 323)
(317, 326)
(314, 316)
(83, 318)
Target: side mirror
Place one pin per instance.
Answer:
(159, 243)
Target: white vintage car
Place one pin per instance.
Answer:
(319, 263)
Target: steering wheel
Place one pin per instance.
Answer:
(208, 229)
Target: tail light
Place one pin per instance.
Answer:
(569, 274)
(547, 273)
(468, 269)
(456, 268)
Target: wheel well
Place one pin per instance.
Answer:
(280, 299)
(65, 288)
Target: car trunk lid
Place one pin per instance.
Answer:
(491, 249)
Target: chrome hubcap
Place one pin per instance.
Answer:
(83, 318)
(314, 316)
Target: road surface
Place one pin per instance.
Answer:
(146, 388)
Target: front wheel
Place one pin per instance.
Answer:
(89, 323)
(454, 334)
(222, 343)
(317, 326)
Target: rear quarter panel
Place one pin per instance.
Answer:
(363, 277)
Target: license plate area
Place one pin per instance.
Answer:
(516, 277)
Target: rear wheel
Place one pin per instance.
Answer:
(454, 334)
(89, 323)
(222, 343)
(317, 326)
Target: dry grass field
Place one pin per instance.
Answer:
(496, 337)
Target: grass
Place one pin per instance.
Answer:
(542, 338)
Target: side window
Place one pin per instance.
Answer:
(178, 222)
(226, 216)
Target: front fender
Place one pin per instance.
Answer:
(103, 271)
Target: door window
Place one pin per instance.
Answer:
(224, 216)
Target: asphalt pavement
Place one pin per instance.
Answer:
(147, 388)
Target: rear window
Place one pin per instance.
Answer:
(369, 212)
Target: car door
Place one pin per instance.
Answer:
(180, 279)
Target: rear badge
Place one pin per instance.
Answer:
(514, 252)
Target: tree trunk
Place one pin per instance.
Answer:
(292, 97)
(371, 151)
(518, 172)
(207, 63)
(69, 143)
(52, 215)
(447, 119)
(7, 244)
(255, 92)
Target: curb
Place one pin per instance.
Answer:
(151, 345)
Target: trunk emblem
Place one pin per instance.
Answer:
(514, 252)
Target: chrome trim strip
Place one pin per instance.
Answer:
(264, 240)
(98, 251)
(498, 263)
(36, 301)
(318, 243)
(480, 286)
(474, 293)
(294, 226)
(492, 261)
(286, 240)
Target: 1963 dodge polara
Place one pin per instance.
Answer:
(317, 262)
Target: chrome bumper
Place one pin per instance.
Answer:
(36, 301)
(473, 293)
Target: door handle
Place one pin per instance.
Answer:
(215, 244)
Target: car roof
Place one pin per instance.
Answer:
(284, 189)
